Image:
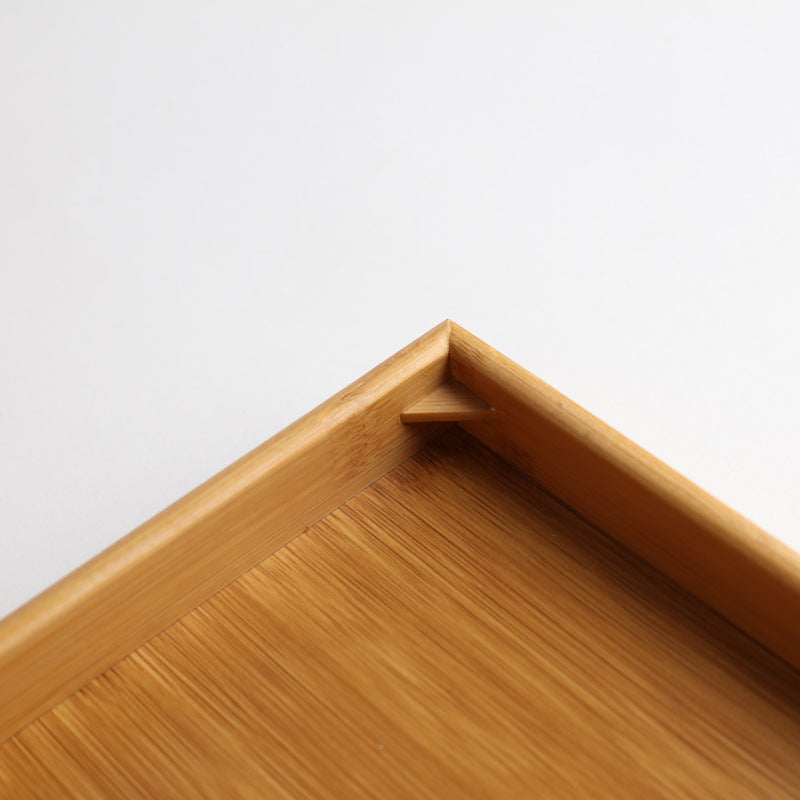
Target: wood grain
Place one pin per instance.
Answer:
(723, 558)
(452, 631)
(117, 601)
(450, 402)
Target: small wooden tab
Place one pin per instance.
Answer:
(450, 402)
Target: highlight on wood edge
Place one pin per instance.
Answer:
(539, 430)
(77, 628)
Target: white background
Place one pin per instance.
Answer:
(214, 215)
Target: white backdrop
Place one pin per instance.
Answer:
(214, 215)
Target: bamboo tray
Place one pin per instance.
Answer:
(446, 581)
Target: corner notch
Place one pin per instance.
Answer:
(450, 402)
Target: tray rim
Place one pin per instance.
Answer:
(98, 614)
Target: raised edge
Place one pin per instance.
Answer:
(86, 622)
(721, 557)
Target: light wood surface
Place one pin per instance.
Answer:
(450, 402)
(723, 558)
(95, 616)
(452, 631)
(124, 597)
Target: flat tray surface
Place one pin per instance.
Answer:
(450, 631)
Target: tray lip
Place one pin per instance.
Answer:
(728, 562)
(39, 662)
(444, 352)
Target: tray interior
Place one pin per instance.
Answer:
(451, 630)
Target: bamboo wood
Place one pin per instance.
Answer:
(451, 631)
(723, 558)
(450, 402)
(125, 596)
(95, 616)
